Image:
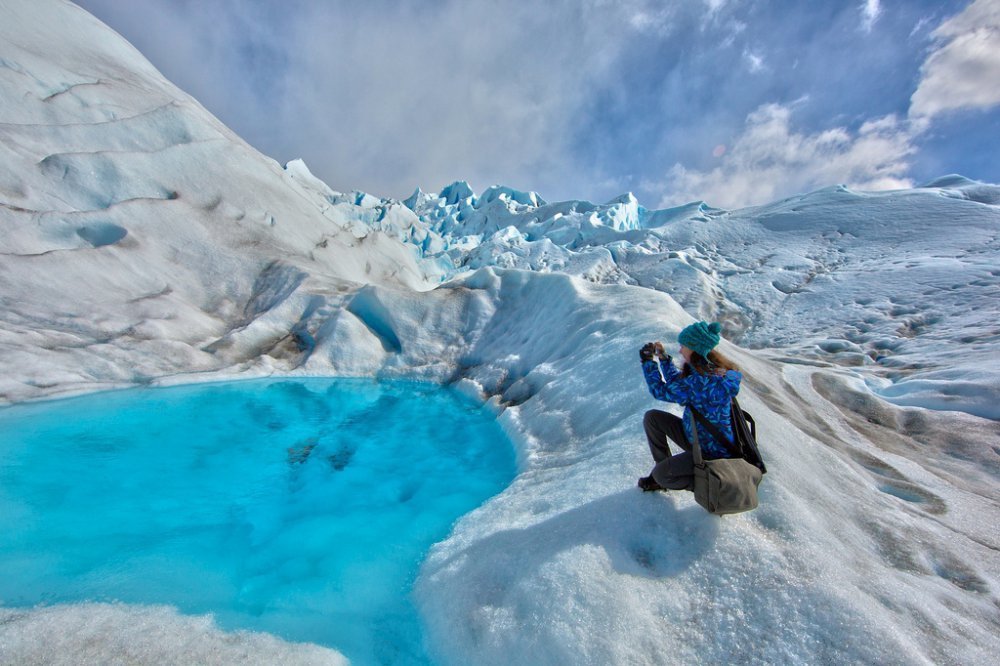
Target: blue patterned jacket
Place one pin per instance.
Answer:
(709, 394)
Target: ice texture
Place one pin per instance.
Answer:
(865, 324)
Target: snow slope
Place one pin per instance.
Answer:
(145, 243)
(140, 235)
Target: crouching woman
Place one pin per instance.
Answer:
(708, 382)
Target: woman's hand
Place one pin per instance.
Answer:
(647, 352)
(660, 352)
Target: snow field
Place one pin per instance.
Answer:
(818, 572)
(145, 243)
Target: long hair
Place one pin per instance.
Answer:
(715, 364)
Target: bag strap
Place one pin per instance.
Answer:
(714, 429)
(745, 433)
(746, 417)
(696, 449)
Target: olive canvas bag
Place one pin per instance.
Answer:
(725, 485)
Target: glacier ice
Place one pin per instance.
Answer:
(864, 322)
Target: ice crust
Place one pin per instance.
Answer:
(128, 634)
(144, 242)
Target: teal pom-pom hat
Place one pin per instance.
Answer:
(701, 337)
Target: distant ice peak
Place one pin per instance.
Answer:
(949, 180)
(964, 188)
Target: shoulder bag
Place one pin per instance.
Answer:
(723, 485)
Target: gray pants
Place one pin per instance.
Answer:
(674, 472)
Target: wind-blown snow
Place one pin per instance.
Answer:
(146, 243)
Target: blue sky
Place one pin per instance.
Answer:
(734, 102)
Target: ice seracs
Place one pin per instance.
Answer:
(864, 280)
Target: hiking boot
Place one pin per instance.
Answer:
(648, 483)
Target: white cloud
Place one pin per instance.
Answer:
(754, 61)
(715, 5)
(870, 11)
(653, 20)
(455, 91)
(388, 96)
(770, 160)
(963, 70)
(920, 25)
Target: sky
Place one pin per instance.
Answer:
(732, 102)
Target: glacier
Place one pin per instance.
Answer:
(146, 244)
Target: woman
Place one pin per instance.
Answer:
(708, 383)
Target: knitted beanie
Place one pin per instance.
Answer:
(701, 337)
